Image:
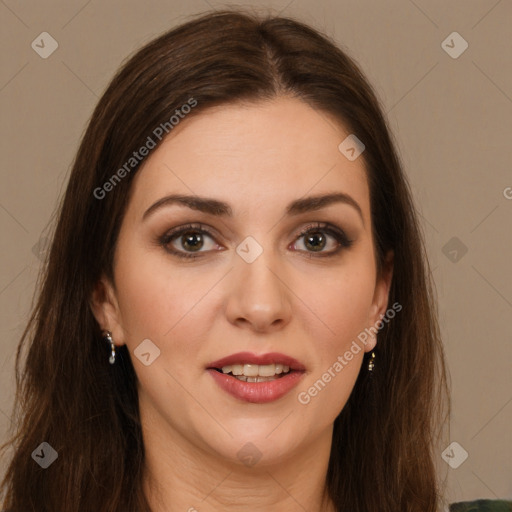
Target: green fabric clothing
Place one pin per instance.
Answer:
(482, 506)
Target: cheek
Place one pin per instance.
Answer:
(156, 297)
(339, 352)
(336, 308)
(160, 303)
(337, 313)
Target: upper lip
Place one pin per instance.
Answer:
(260, 359)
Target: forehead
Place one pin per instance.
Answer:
(253, 155)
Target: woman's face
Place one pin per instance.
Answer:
(254, 286)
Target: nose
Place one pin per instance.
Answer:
(258, 297)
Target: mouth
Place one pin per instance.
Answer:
(257, 378)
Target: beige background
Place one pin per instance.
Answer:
(452, 119)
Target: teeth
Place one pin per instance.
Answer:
(251, 370)
(237, 369)
(254, 370)
(255, 379)
(267, 370)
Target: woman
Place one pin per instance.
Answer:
(237, 311)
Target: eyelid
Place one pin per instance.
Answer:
(327, 227)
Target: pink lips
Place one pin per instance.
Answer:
(257, 392)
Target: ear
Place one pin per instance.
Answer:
(105, 308)
(380, 298)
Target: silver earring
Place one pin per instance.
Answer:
(371, 362)
(107, 336)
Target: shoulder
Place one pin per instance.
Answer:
(482, 506)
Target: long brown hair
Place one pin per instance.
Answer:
(382, 457)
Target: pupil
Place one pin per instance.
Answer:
(310, 240)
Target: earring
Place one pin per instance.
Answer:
(107, 336)
(371, 362)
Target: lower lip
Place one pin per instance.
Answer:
(257, 392)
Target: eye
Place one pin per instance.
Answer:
(187, 240)
(315, 239)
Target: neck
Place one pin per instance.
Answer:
(183, 477)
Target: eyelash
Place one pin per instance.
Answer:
(338, 234)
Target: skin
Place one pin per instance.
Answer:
(258, 157)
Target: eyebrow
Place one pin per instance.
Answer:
(222, 209)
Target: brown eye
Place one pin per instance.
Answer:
(192, 241)
(317, 237)
(187, 240)
(315, 241)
